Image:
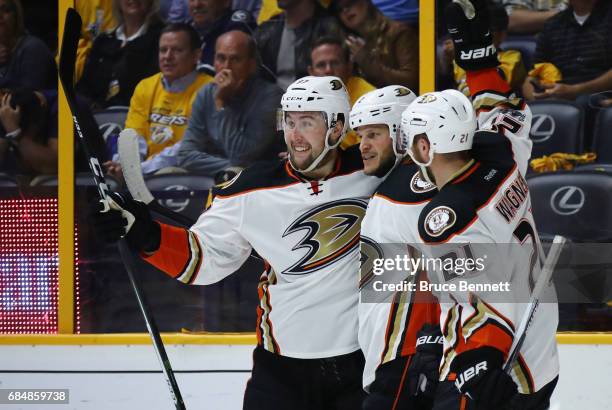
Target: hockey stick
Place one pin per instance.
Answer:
(72, 30)
(534, 300)
(129, 157)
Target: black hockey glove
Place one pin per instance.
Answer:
(481, 378)
(423, 372)
(467, 23)
(142, 233)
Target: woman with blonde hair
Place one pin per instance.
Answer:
(121, 58)
(25, 60)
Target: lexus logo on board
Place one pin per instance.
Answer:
(542, 128)
(567, 200)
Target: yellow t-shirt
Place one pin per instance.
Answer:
(356, 87)
(511, 64)
(97, 16)
(269, 9)
(161, 116)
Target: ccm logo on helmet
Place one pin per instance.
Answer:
(469, 374)
(478, 53)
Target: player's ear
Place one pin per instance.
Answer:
(338, 127)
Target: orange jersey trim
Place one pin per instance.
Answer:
(174, 253)
(386, 198)
(488, 79)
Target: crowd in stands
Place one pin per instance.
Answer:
(220, 114)
(28, 97)
(203, 78)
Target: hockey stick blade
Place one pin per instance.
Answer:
(70, 39)
(542, 281)
(468, 8)
(129, 157)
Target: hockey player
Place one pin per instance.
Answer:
(303, 216)
(483, 199)
(394, 376)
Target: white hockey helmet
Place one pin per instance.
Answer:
(324, 94)
(384, 106)
(446, 117)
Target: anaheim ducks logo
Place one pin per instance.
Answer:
(336, 84)
(420, 185)
(332, 231)
(370, 250)
(401, 91)
(427, 98)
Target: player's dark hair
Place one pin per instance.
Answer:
(194, 38)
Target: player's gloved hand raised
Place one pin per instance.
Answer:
(126, 218)
(481, 378)
(423, 372)
(467, 22)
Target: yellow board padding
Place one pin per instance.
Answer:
(65, 192)
(427, 46)
(131, 339)
(566, 338)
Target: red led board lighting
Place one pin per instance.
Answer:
(29, 279)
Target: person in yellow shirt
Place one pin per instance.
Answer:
(161, 105)
(329, 56)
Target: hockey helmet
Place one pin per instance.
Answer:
(384, 106)
(323, 94)
(446, 117)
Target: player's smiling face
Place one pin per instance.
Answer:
(376, 149)
(305, 136)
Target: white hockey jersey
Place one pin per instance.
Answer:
(388, 328)
(307, 232)
(487, 202)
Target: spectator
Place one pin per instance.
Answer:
(233, 118)
(211, 18)
(386, 51)
(179, 9)
(97, 16)
(578, 42)
(510, 61)
(161, 104)
(121, 59)
(25, 61)
(28, 144)
(529, 16)
(284, 41)
(330, 56)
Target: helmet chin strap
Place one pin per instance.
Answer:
(322, 155)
